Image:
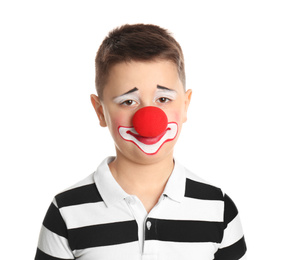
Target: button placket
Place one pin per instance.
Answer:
(139, 214)
(150, 228)
(150, 242)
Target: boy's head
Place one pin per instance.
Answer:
(140, 82)
(138, 42)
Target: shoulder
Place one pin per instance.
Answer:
(84, 191)
(198, 188)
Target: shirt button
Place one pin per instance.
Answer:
(148, 225)
(130, 201)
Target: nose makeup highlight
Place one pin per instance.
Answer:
(150, 121)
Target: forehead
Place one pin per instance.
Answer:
(142, 75)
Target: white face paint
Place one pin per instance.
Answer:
(149, 145)
(134, 96)
(165, 93)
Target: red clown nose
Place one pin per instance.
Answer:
(150, 121)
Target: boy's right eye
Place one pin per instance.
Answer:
(129, 102)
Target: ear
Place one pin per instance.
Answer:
(97, 104)
(186, 103)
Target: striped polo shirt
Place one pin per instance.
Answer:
(97, 219)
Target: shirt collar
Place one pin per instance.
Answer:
(175, 187)
(111, 192)
(108, 188)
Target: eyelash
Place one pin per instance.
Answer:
(165, 98)
(126, 102)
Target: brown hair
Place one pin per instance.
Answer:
(138, 42)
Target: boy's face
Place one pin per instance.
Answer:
(135, 85)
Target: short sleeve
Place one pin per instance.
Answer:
(233, 246)
(53, 240)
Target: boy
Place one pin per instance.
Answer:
(141, 204)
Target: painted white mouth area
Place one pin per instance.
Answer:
(169, 135)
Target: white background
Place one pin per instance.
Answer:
(50, 136)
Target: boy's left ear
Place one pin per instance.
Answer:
(187, 101)
(96, 102)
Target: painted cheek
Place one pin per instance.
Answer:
(120, 120)
(174, 117)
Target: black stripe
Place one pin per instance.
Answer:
(233, 252)
(231, 210)
(103, 235)
(40, 255)
(184, 231)
(198, 190)
(54, 221)
(84, 194)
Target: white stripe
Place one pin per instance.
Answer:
(54, 245)
(232, 233)
(153, 250)
(94, 214)
(149, 257)
(191, 209)
(86, 181)
(127, 251)
(178, 250)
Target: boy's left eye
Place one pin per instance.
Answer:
(163, 100)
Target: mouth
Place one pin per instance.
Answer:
(149, 145)
(148, 140)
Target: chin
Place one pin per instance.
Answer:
(138, 156)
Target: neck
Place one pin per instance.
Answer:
(135, 178)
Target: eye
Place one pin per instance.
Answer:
(163, 100)
(128, 102)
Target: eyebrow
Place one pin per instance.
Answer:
(164, 88)
(130, 91)
(118, 98)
